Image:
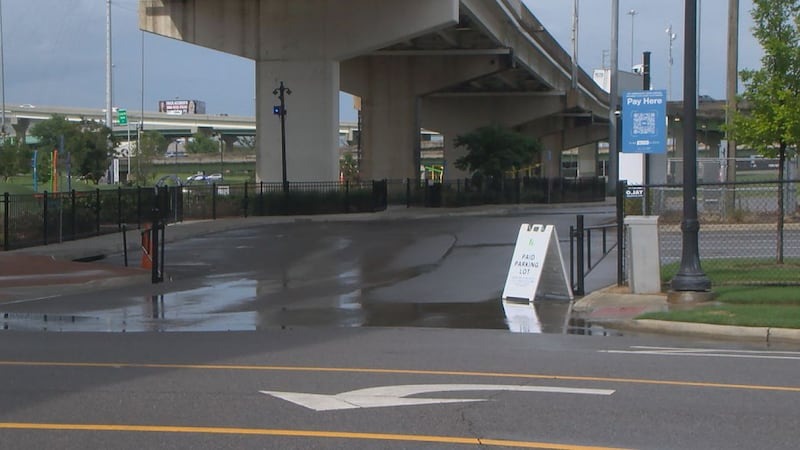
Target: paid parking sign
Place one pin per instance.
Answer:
(644, 122)
(537, 267)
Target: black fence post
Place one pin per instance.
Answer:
(261, 198)
(622, 185)
(125, 243)
(154, 273)
(119, 208)
(214, 201)
(347, 196)
(6, 221)
(73, 203)
(408, 192)
(245, 199)
(579, 264)
(161, 254)
(138, 207)
(97, 211)
(572, 236)
(44, 217)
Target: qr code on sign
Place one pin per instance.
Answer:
(644, 122)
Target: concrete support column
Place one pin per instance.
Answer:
(229, 142)
(587, 160)
(312, 120)
(390, 140)
(551, 156)
(21, 128)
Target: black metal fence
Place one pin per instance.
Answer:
(470, 192)
(47, 218)
(744, 238)
(41, 219)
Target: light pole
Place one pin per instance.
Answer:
(633, 14)
(690, 283)
(109, 100)
(671, 37)
(280, 110)
(2, 77)
(221, 156)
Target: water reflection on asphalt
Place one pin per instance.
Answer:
(234, 306)
(445, 273)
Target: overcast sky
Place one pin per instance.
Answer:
(54, 52)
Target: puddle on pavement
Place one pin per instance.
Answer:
(231, 306)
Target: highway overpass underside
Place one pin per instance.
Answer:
(446, 65)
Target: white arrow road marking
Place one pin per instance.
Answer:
(395, 395)
(719, 353)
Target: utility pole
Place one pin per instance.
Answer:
(633, 14)
(732, 81)
(671, 37)
(575, 44)
(2, 77)
(612, 173)
(109, 112)
(690, 283)
(280, 110)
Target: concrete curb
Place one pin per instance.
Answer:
(763, 334)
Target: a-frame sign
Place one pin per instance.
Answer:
(537, 268)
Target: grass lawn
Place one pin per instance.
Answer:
(758, 315)
(746, 295)
(743, 271)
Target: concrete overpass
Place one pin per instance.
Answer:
(445, 65)
(22, 117)
(230, 128)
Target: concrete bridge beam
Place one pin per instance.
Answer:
(299, 42)
(390, 88)
(460, 114)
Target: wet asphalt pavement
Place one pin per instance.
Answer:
(436, 272)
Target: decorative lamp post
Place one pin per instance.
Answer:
(280, 110)
(690, 283)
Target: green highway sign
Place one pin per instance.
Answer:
(122, 115)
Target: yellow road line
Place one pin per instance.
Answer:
(294, 433)
(754, 387)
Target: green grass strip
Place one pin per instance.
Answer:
(775, 316)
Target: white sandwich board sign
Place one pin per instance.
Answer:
(537, 268)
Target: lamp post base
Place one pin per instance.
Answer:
(684, 297)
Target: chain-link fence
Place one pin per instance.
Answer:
(745, 236)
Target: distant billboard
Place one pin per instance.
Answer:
(182, 106)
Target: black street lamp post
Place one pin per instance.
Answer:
(690, 277)
(280, 110)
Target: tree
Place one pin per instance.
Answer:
(348, 167)
(201, 143)
(92, 154)
(151, 144)
(14, 159)
(88, 143)
(494, 150)
(772, 124)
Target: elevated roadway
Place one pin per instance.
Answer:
(446, 65)
(22, 117)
